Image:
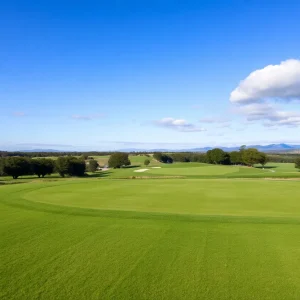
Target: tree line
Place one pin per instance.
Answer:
(297, 163)
(283, 157)
(17, 166)
(244, 156)
(53, 154)
(180, 157)
(65, 165)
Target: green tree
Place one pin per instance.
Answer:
(216, 156)
(251, 156)
(42, 166)
(62, 165)
(118, 160)
(297, 163)
(263, 159)
(2, 160)
(17, 166)
(235, 157)
(69, 165)
(181, 157)
(92, 165)
(163, 158)
(157, 156)
(146, 162)
(77, 167)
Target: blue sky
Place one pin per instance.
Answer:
(97, 75)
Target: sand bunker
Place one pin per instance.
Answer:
(156, 167)
(141, 170)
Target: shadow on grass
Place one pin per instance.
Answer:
(131, 167)
(266, 167)
(28, 178)
(100, 174)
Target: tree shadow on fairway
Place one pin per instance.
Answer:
(131, 167)
(266, 167)
(101, 174)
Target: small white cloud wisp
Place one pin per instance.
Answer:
(87, 117)
(179, 125)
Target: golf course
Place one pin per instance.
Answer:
(178, 231)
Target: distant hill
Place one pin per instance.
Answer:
(42, 150)
(266, 148)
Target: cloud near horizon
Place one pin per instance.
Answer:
(256, 95)
(87, 117)
(179, 125)
(214, 120)
(43, 145)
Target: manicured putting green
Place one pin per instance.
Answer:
(204, 197)
(150, 239)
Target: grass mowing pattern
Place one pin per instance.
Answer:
(235, 240)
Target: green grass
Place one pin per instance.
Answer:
(204, 171)
(151, 239)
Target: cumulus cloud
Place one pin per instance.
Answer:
(274, 81)
(257, 95)
(87, 117)
(179, 125)
(270, 115)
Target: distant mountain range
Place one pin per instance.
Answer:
(42, 150)
(267, 148)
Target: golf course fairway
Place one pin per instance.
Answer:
(150, 239)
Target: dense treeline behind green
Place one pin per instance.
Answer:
(19, 166)
(176, 156)
(52, 154)
(67, 165)
(297, 163)
(283, 158)
(245, 156)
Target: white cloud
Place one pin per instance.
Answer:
(274, 81)
(179, 125)
(270, 115)
(257, 95)
(217, 122)
(87, 117)
(214, 120)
